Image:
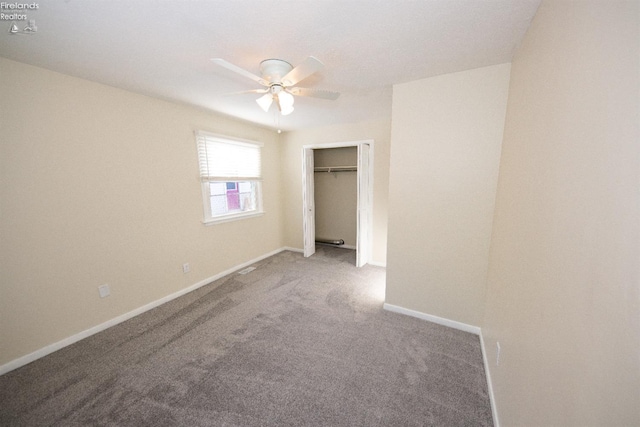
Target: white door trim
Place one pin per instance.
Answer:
(308, 203)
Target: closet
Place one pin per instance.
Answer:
(336, 196)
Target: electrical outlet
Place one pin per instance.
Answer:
(186, 268)
(104, 291)
(497, 353)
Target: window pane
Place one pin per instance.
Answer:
(247, 196)
(232, 197)
(217, 188)
(218, 198)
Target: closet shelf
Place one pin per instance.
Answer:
(335, 169)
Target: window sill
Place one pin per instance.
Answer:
(233, 217)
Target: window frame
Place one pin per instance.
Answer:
(209, 218)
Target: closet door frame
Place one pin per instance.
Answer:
(365, 197)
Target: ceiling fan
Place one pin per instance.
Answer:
(279, 78)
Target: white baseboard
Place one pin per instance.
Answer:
(435, 319)
(378, 264)
(494, 409)
(21, 361)
(463, 327)
(289, 248)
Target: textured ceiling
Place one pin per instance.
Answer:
(163, 48)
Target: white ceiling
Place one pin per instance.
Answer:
(163, 48)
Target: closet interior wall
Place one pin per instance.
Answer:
(336, 194)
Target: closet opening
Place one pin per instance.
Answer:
(337, 197)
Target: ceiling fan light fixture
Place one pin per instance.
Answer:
(286, 99)
(285, 110)
(265, 101)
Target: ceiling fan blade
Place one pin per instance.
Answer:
(302, 71)
(315, 93)
(241, 71)
(244, 92)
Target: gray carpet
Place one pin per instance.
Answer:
(296, 342)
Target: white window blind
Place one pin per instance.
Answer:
(223, 159)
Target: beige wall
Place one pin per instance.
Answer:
(564, 280)
(446, 139)
(292, 143)
(336, 195)
(98, 186)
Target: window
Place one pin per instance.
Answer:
(230, 172)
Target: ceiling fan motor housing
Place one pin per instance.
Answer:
(273, 70)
